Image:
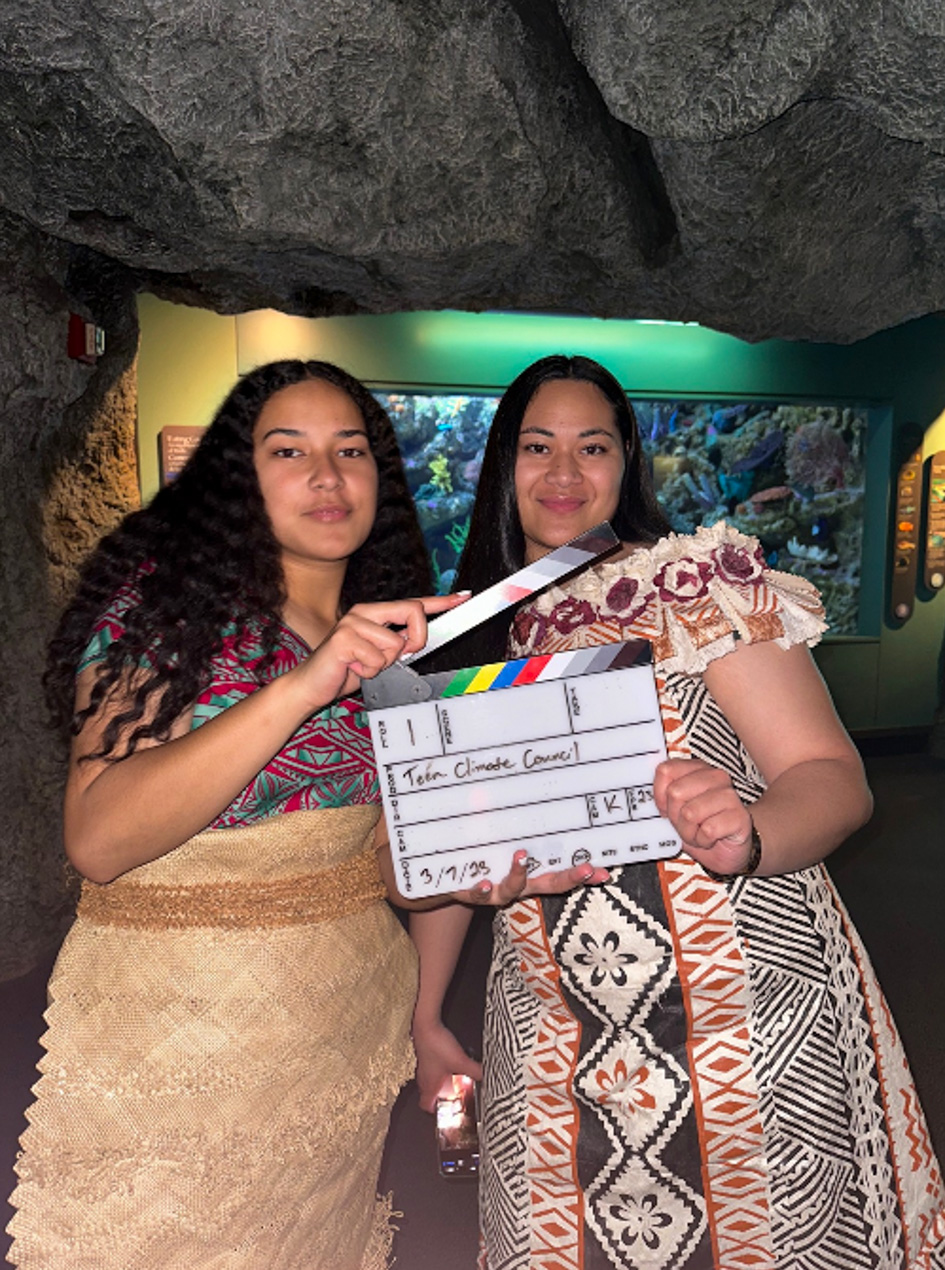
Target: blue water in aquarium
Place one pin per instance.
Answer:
(791, 475)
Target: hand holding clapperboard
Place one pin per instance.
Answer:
(555, 755)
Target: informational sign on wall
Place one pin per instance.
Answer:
(934, 576)
(175, 446)
(905, 548)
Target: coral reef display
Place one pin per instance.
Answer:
(442, 439)
(791, 475)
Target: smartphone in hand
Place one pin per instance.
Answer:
(457, 1128)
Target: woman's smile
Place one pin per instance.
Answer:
(564, 506)
(328, 513)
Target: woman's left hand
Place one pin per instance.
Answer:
(519, 884)
(704, 809)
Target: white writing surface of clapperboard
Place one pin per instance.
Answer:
(552, 754)
(560, 763)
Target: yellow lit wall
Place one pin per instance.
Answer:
(186, 366)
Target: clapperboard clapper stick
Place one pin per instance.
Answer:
(399, 686)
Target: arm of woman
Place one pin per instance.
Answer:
(124, 813)
(816, 792)
(439, 935)
(438, 926)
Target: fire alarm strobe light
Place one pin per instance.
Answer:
(86, 341)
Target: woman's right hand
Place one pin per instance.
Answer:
(439, 1056)
(368, 639)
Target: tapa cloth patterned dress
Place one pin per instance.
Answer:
(228, 1027)
(683, 1072)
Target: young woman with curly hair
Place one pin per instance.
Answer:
(228, 1020)
(690, 1065)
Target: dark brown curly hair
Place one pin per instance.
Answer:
(202, 556)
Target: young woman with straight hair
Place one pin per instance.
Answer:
(690, 1065)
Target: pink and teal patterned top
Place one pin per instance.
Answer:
(328, 762)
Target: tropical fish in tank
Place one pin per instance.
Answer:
(790, 474)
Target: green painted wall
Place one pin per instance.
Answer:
(189, 358)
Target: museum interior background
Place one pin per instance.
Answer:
(739, 208)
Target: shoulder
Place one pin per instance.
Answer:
(111, 625)
(692, 595)
(240, 640)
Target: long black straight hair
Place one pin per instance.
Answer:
(495, 546)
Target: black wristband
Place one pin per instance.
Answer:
(751, 865)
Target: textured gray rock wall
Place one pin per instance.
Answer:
(66, 437)
(801, 144)
(737, 164)
(696, 70)
(358, 154)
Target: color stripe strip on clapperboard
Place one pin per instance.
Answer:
(530, 670)
(518, 586)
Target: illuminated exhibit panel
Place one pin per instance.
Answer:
(792, 475)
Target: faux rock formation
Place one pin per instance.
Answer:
(67, 437)
(767, 168)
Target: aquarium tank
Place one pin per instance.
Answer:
(791, 475)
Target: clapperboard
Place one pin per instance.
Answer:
(553, 754)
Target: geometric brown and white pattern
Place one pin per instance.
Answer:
(681, 1073)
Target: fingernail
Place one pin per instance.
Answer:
(462, 592)
(520, 857)
(484, 887)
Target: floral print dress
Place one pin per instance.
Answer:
(682, 1072)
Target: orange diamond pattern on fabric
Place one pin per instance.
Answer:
(726, 1096)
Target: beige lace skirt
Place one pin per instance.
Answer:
(228, 1028)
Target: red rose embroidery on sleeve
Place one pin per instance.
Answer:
(627, 599)
(738, 564)
(683, 579)
(571, 613)
(620, 596)
(528, 627)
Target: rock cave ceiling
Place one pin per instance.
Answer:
(766, 167)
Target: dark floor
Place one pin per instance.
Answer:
(892, 877)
